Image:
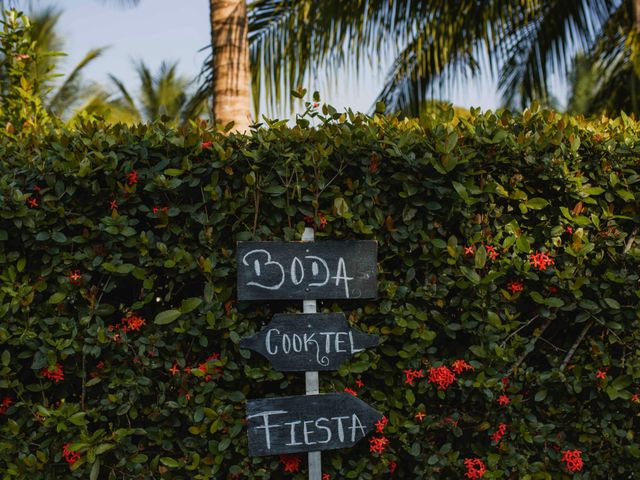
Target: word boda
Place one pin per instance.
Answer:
(314, 271)
(319, 431)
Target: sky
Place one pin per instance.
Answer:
(177, 30)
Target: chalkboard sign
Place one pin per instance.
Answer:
(307, 423)
(308, 342)
(307, 270)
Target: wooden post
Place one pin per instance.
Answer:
(312, 381)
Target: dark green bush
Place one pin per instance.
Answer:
(79, 275)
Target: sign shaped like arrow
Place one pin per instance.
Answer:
(307, 423)
(308, 342)
(307, 270)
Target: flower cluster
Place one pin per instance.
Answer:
(460, 366)
(291, 463)
(515, 286)
(441, 376)
(540, 260)
(6, 403)
(573, 460)
(75, 277)
(380, 424)
(70, 456)
(491, 251)
(410, 375)
(503, 400)
(499, 433)
(322, 220)
(351, 391)
(132, 177)
(130, 323)
(53, 373)
(378, 444)
(475, 468)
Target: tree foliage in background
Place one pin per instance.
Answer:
(435, 44)
(508, 242)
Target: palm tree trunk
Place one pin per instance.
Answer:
(230, 47)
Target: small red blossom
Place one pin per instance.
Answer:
(601, 374)
(470, 250)
(326, 476)
(392, 467)
(540, 260)
(505, 382)
(291, 463)
(53, 373)
(323, 220)
(32, 202)
(449, 421)
(420, 416)
(75, 277)
(569, 230)
(410, 375)
(174, 369)
(100, 365)
(113, 205)
(6, 403)
(378, 444)
(132, 177)
(460, 366)
(132, 322)
(359, 383)
(499, 433)
(157, 210)
(515, 286)
(208, 144)
(351, 391)
(491, 251)
(70, 456)
(503, 400)
(316, 105)
(553, 289)
(441, 376)
(380, 424)
(635, 398)
(475, 468)
(573, 460)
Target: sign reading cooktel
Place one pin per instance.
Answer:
(307, 270)
(307, 422)
(308, 342)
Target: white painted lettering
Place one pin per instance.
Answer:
(307, 433)
(296, 264)
(258, 269)
(353, 346)
(356, 424)
(286, 344)
(267, 341)
(297, 343)
(340, 428)
(326, 429)
(293, 433)
(339, 349)
(314, 270)
(328, 335)
(266, 426)
(341, 274)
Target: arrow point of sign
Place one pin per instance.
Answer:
(249, 342)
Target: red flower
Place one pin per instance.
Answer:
(70, 456)
(378, 444)
(380, 424)
(515, 287)
(460, 366)
(441, 376)
(573, 460)
(540, 260)
(491, 251)
(113, 205)
(6, 403)
(359, 383)
(635, 398)
(53, 373)
(475, 468)
(132, 323)
(132, 177)
(100, 365)
(174, 369)
(156, 210)
(420, 416)
(392, 467)
(553, 289)
(410, 375)
(469, 250)
(503, 400)
(208, 144)
(569, 230)
(499, 433)
(601, 374)
(505, 382)
(352, 392)
(326, 476)
(323, 220)
(32, 202)
(75, 277)
(291, 462)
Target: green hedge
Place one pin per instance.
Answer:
(135, 305)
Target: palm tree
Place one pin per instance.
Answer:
(226, 77)
(436, 42)
(163, 95)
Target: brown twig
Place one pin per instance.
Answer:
(575, 345)
(529, 348)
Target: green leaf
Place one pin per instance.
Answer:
(190, 304)
(57, 297)
(166, 317)
(472, 275)
(95, 470)
(612, 303)
(480, 258)
(169, 462)
(537, 203)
